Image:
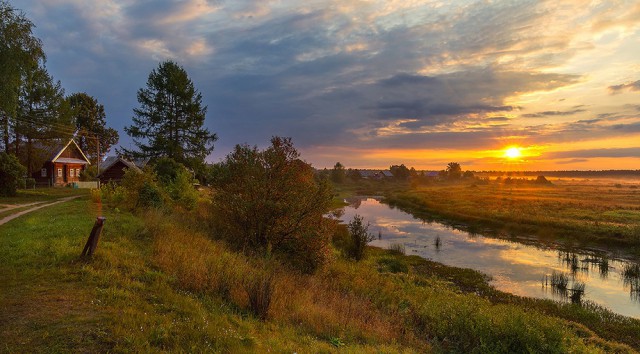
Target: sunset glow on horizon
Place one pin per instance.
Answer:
(500, 85)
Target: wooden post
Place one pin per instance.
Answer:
(92, 242)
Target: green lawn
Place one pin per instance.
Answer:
(41, 194)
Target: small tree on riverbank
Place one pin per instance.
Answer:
(270, 202)
(360, 237)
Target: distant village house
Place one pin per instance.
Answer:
(113, 168)
(375, 174)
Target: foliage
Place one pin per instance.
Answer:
(89, 174)
(170, 119)
(454, 170)
(11, 174)
(19, 52)
(177, 181)
(400, 172)
(360, 237)
(43, 114)
(137, 190)
(90, 122)
(468, 174)
(270, 201)
(338, 173)
(353, 175)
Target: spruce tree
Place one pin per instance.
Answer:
(170, 119)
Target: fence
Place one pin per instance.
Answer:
(87, 184)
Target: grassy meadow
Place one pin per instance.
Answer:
(572, 212)
(160, 282)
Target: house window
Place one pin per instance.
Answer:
(71, 172)
(43, 172)
(77, 172)
(59, 172)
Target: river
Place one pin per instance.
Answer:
(514, 267)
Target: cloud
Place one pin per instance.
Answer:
(553, 113)
(630, 86)
(593, 153)
(350, 74)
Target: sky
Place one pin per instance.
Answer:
(373, 83)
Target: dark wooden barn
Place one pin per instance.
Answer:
(64, 166)
(113, 168)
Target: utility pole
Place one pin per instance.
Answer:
(98, 160)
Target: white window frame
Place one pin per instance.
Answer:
(77, 172)
(71, 172)
(43, 172)
(59, 172)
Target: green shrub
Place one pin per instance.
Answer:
(29, 182)
(149, 196)
(177, 182)
(138, 190)
(360, 236)
(11, 173)
(271, 202)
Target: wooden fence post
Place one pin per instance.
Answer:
(92, 242)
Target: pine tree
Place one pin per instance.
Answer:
(170, 119)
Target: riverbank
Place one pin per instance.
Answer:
(570, 213)
(160, 282)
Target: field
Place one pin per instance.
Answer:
(585, 213)
(160, 283)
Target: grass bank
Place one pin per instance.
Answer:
(573, 214)
(163, 284)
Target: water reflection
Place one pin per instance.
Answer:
(514, 267)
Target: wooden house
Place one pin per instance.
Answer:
(113, 168)
(63, 167)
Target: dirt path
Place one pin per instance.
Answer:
(18, 214)
(7, 207)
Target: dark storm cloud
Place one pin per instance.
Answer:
(553, 113)
(631, 86)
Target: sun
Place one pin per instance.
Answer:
(512, 152)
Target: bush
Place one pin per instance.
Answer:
(138, 190)
(177, 181)
(270, 201)
(89, 173)
(360, 236)
(11, 174)
(259, 286)
(29, 182)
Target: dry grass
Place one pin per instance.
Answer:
(580, 211)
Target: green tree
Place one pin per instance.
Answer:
(19, 51)
(360, 237)
(400, 172)
(91, 126)
(454, 170)
(270, 201)
(43, 115)
(11, 173)
(338, 173)
(170, 119)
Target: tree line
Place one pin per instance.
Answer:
(35, 113)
